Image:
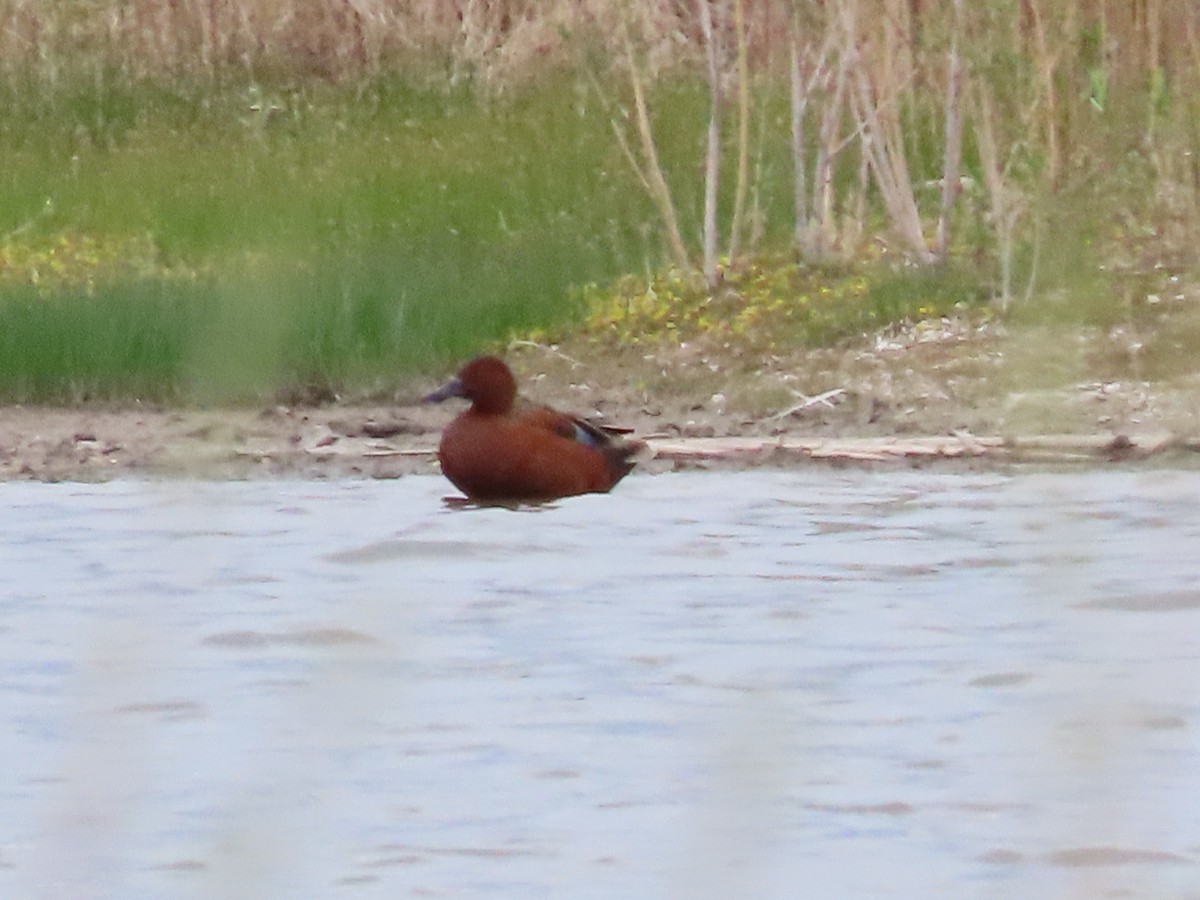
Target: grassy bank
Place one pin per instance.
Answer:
(176, 245)
(204, 202)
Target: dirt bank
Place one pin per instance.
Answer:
(938, 389)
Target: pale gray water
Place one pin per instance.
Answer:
(734, 685)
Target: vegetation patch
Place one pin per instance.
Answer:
(207, 252)
(311, 199)
(769, 303)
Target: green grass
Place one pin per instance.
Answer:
(222, 241)
(345, 240)
(126, 345)
(236, 242)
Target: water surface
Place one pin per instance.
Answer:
(769, 684)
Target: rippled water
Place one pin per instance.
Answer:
(762, 685)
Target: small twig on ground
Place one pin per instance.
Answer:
(545, 348)
(825, 399)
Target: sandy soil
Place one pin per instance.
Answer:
(970, 382)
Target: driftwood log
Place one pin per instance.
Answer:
(1033, 448)
(1052, 448)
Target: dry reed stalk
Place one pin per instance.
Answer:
(812, 231)
(798, 95)
(952, 152)
(1047, 57)
(1007, 204)
(831, 143)
(649, 168)
(712, 150)
(743, 128)
(1191, 52)
(881, 77)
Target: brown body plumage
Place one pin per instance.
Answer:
(502, 450)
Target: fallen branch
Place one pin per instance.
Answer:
(1035, 448)
(824, 399)
(1045, 448)
(545, 348)
(864, 449)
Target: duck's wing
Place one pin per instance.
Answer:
(573, 428)
(590, 433)
(547, 419)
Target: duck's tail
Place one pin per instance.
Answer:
(620, 452)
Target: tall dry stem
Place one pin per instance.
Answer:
(880, 81)
(798, 95)
(743, 128)
(712, 150)
(1007, 204)
(813, 210)
(649, 168)
(952, 152)
(1048, 52)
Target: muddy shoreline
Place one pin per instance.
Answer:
(947, 390)
(357, 441)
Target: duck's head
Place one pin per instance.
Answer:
(486, 381)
